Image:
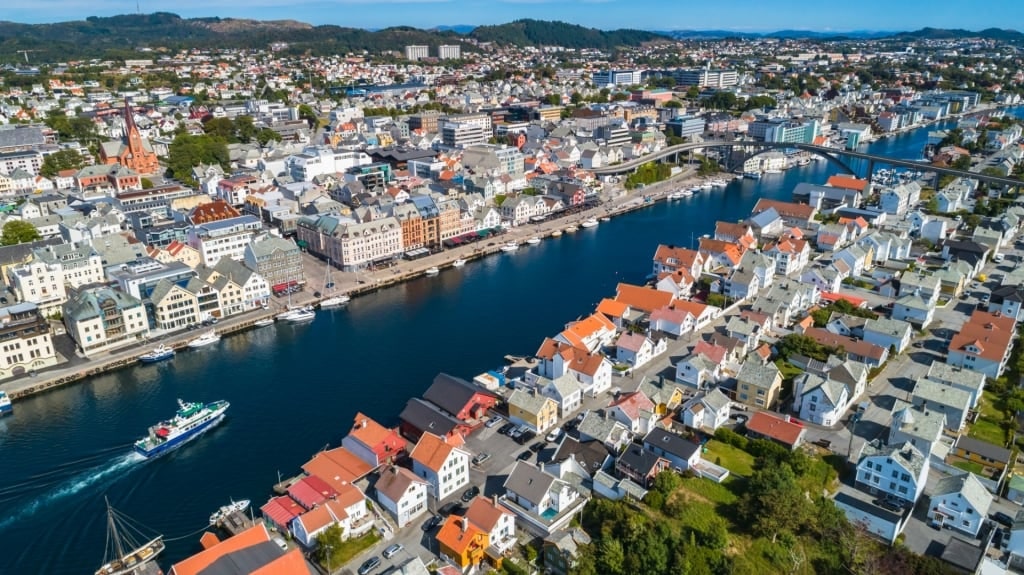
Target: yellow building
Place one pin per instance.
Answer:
(535, 411)
(462, 542)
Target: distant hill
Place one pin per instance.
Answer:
(1001, 34)
(122, 35)
(542, 33)
(922, 34)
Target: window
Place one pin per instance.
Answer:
(902, 489)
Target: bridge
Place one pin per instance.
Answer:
(831, 154)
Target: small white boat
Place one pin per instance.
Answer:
(510, 247)
(571, 229)
(706, 186)
(606, 219)
(208, 338)
(264, 322)
(239, 506)
(306, 313)
(556, 234)
(5, 404)
(694, 190)
(458, 263)
(679, 194)
(433, 271)
(719, 183)
(334, 301)
(589, 223)
(533, 241)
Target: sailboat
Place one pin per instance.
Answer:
(296, 313)
(124, 554)
(332, 301)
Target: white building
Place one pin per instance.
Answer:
(39, 282)
(102, 319)
(444, 466)
(403, 494)
(896, 470)
(960, 502)
(27, 344)
(224, 239)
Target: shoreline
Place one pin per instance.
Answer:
(127, 356)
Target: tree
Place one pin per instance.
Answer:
(221, 128)
(620, 97)
(67, 159)
(693, 92)
(267, 135)
(306, 113)
(576, 98)
(673, 104)
(773, 502)
(188, 151)
(147, 184)
(245, 130)
(18, 232)
(553, 99)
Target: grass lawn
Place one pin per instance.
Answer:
(988, 427)
(737, 461)
(975, 468)
(353, 547)
(717, 493)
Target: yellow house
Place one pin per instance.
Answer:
(759, 383)
(535, 411)
(666, 396)
(462, 542)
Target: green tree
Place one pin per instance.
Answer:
(18, 232)
(620, 97)
(245, 130)
(147, 184)
(67, 159)
(221, 128)
(553, 99)
(188, 151)
(773, 503)
(693, 92)
(576, 98)
(306, 113)
(611, 556)
(673, 104)
(267, 135)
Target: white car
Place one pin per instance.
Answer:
(555, 434)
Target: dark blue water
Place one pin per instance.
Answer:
(294, 389)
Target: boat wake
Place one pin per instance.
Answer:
(63, 489)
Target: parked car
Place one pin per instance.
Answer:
(393, 550)
(470, 493)
(480, 458)
(537, 446)
(525, 438)
(1002, 518)
(888, 504)
(517, 433)
(507, 428)
(431, 523)
(493, 422)
(554, 436)
(525, 455)
(448, 508)
(369, 565)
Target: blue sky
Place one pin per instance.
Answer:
(749, 15)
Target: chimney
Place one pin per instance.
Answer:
(362, 423)
(494, 499)
(462, 524)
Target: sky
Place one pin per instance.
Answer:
(739, 15)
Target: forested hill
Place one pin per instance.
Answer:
(123, 35)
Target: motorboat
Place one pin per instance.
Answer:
(305, 313)
(706, 186)
(719, 183)
(263, 322)
(533, 241)
(433, 271)
(223, 512)
(458, 263)
(556, 234)
(160, 353)
(752, 175)
(208, 338)
(589, 223)
(571, 229)
(5, 404)
(334, 301)
(606, 219)
(510, 247)
(679, 194)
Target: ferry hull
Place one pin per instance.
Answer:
(172, 444)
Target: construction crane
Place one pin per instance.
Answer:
(25, 53)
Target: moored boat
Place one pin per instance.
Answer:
(679, 194)
(264, 322)
(235, 506)
(191, 419)
(124, 554)
(533, 241)
(458, 263)
(160, 353)
(334, 301)
(589, 223)
(510, 247)
(752, 175)
(606, 219)
(706, 186)
(556, 234)
(433, 271)
(305, 313)
(5, 404)
(208, 338)
(571, 229)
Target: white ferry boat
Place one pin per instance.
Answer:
(189, 422)
(5, 404)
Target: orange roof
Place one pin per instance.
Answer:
(730, 250)
(552, 347)
(337, 467)
(774, 427)
(292, 563)
(431, 451)
(696, 309)
(732, 230)
(785, 209)
(990, 333)
(847, 182)
(834, 297)
(585, 362)
(611, 308)
(577, 331)
(642, 298)
(460, 535)
(197, 563)
(369, 432)
(484, 513)
(322, 516)
(681, 256)
(633, 404)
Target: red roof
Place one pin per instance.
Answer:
(200, 561)
(847, 182)
(311, 491)
(776, 428)
(834, 297)
(281, 510)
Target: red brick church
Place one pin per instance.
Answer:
(133, 151)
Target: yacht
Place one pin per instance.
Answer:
(263, 322)
(679, 194)
(510, 247)
(433, 271)
(223, 512)
(160, 353)
(208, 338)
(706, 186)
(773, 171)
(533, 241)
(589, 223)
(556, 234)
(306, 313)
(334, 301)
(719, 183)
(571, 229)
(458, 263)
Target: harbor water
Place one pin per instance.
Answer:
(294, 389)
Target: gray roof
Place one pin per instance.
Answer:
(917, 423)
(968, 486)
(528, 402)
(908, 456)
(762, 375)
(591, 455)
(529, 482)
(942, 394)
(451, 393)
(639, 459)
(671, 443)
(983, 448)
(422, 416)
(601, 427)
(951, 375)
(271, 244)
(887, 326)
(563, 386)
(86, 305)
(963, 555)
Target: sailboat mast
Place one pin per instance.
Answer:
(115, 538)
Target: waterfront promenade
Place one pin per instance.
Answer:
(351, 283)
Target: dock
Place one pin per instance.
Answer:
(235, 523)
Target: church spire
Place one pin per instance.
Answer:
(129, 119)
